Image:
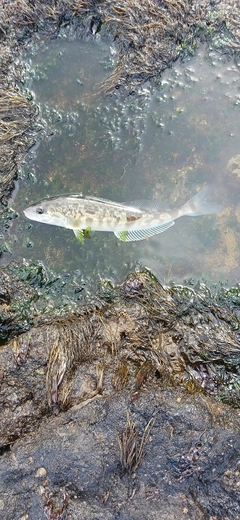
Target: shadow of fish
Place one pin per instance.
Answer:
(128, 221)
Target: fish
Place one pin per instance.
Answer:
(129, 222)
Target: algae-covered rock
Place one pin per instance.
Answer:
(146, 335)
(29, 294)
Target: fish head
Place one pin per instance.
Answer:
(46, 212)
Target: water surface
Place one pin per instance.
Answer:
(163, 143)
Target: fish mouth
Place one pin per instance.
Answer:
(28, 213)
(31, 214)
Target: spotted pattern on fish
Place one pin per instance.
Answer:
(132, 218)
(133, 222)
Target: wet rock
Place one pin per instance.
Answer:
(190, 467)
(116, 409)
(41, 473)
(151, 337)
(20, 286)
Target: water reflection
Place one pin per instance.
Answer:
(163, 144)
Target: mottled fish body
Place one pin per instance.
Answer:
(130, 222)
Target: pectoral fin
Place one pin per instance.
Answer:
(86, 232)
(79, 234)
(141, 234)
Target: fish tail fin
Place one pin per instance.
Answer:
(199, 205)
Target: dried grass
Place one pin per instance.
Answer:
(16, 119)
(159, 346)
(131, 447)
(152, 34)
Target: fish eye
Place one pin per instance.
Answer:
(39, 211)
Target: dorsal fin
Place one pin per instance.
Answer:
(145, 205)
(111, 202)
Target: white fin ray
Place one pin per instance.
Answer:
(79, 234)
(111, 202)
(141, 234)
(145, 205)
(199, 205)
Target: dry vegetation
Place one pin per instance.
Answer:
(16, 116)
(154, 341)
(153, 33)
(131, 447)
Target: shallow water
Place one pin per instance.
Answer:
(163, 143)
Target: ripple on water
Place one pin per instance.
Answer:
(163, 143)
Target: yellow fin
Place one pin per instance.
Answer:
(79, 234)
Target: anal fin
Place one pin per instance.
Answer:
(141, 234)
